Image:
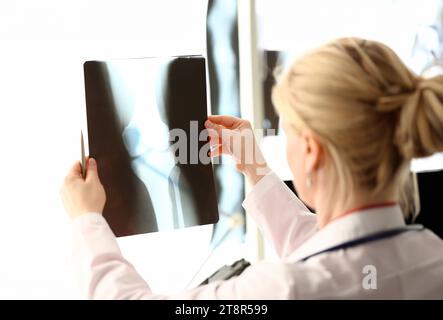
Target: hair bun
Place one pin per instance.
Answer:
(419, 130)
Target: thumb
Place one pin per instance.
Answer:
(91, 172)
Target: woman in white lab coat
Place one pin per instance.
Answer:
(354, 117)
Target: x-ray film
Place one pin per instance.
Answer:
(146, 131)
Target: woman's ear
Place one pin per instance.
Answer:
(313, 150)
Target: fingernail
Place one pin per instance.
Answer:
(209, 124)
(92, 161)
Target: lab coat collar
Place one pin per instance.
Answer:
(353, 226)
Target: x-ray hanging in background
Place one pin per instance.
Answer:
(223, 68)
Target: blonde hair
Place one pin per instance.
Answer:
(370, 112)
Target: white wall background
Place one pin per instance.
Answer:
(300, 25)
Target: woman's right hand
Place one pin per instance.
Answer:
(80, 195)
(234, 136)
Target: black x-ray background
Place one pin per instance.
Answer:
(431, 207)
(129, 207)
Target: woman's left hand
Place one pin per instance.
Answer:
(80, 195)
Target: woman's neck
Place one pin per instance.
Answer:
(329, 212)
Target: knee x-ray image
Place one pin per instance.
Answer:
(146, 131)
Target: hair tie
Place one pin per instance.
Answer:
(396, 96)
(391, 103)
(431, 84)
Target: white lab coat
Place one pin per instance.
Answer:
(406, 266)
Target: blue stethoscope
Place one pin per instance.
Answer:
(367, 239)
